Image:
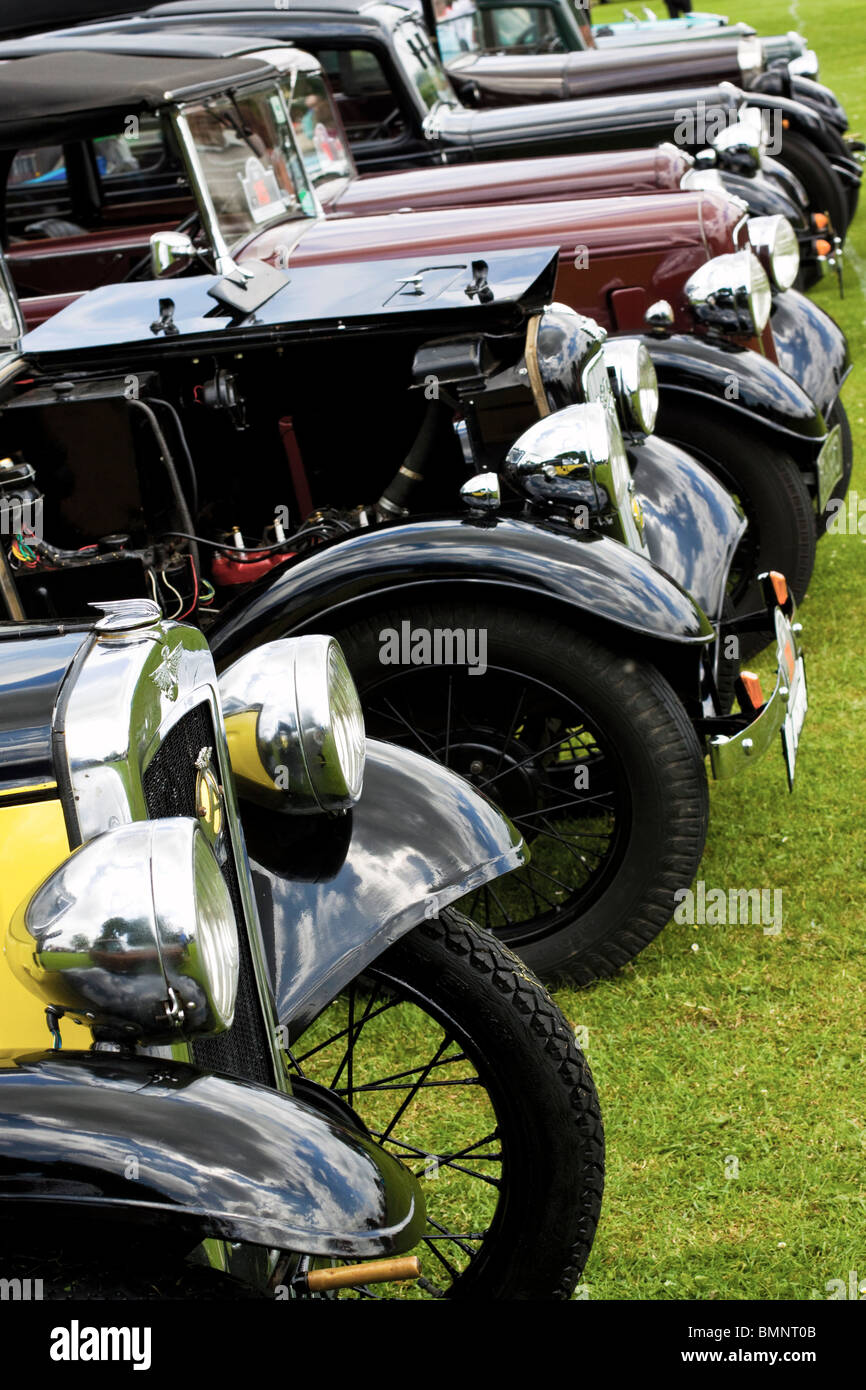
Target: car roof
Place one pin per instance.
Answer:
(128, 38)
(239, 7)
(64, 95)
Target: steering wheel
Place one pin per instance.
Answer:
(140, 270)
(381, 130)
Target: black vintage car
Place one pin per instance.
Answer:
(401, 110)
(182, 1114)
(241, 430)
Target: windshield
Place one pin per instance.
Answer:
(317, 129)
(421, 64)
(458, 28)
(248, 161)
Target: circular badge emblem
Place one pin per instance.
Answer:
(209, 802)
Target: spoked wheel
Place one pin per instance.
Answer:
(589, 752)
(459, 1063)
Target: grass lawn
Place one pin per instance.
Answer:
(725, 1051)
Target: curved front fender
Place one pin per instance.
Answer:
(334, 893)
(582, 577)
(810, 346)
(769, 192)
(692, 524)
(96, 1142)
(743, 383)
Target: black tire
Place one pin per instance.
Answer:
(838, 415)
(818, 177)
(769, 486)
(531, 1226)
(592, 755)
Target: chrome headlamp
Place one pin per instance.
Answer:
(731, 294)
(294, 726)
(750, 58)
(635, 385)
(805, 64)
(774, 242)
(581, 442)
(558, 342)
(702, 180)
(740, 145)
(134, 935)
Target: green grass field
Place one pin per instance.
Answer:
(723, 1050)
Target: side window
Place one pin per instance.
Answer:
(527, 28)
(137, 149)
(317, 129)
(133, 166)
(37, 187)
(368, 107)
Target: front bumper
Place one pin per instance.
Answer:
(734, 751)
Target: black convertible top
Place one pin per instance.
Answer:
(75, 93)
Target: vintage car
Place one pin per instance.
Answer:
(506, 72)
(621, 263)
(791, 47)
(179, 1107)
(401, 110)
(165, 421)
(563, 26)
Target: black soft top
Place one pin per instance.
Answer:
(65, 95)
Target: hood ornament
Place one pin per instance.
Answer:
(165, 675)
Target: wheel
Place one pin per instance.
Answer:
(838, 415)
(458, 1062)
(818, 177)
(589, 752)
(769, 487)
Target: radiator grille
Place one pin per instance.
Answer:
(169, 790)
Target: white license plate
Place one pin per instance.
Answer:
(795, 717)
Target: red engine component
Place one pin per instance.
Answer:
(227, 569)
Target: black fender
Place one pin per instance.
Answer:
(95, 1142)
(801, 118)
(769, 192)
(810, 346)
(758, 395)
(692, 524)
(778, 80)
(334, 892)
(580, 577)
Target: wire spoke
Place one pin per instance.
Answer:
(410, 1071)
(343, 1033)
(442, 1260)
(454, 1236)
(421, 1081)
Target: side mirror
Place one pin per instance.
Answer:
(166, 248)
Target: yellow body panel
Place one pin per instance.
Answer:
(243, 752)
(33, 842)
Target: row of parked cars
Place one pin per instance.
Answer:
(408, 437)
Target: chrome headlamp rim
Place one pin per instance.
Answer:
(633, 377)
(750, 58)
(294, 725)
(134, 935)
(774, 242)
(731, 294)
(558, 340)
